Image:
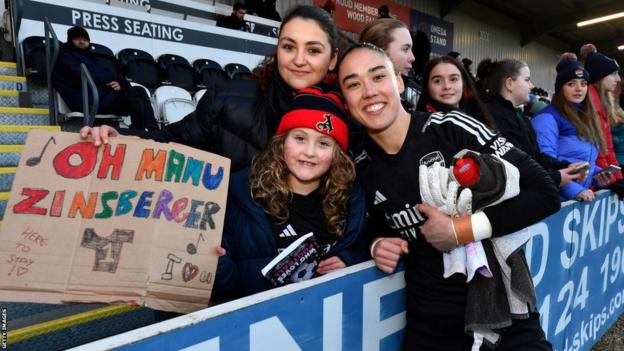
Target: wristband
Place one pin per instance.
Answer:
(372, 246)
(462, 227)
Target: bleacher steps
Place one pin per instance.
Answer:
(16, 134)
(7, 174)
(9, 98)
(8, 68)
(10, 155)
(23, 116)
(12, 83)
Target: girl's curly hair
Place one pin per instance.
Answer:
(269, 185)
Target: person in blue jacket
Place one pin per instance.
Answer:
(116, 96)
(568, 130)
(302, 183)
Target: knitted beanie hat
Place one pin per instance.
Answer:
(568, 70)
(600, 66)
(76, 32)
(321, 111)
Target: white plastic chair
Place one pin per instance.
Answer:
(173, 103)
(65, 113)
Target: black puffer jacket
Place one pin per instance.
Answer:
(519, 131)
(233, 119)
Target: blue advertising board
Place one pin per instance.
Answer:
(439, 31)
(575, 258)
(578, 269)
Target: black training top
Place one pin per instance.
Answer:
(435, 304)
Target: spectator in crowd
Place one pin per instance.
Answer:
(302, 183)
(398, 143)
(603, 76)
(236, 20)
(237, 118)
(468, 66)
(384, 11)
(269, 10)
(616, 117)
(508, 83)
(449, 87)
(421, 51)
(569, 131)
(393, 37)
(116, 95)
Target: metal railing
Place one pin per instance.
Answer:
(51, 52)
(87, 82)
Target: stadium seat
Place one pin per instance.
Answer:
(237, 71)
(198, 95)
(172, 103)
(33, 49)
(138, 66)
(105, 57)
(208, 73)
(65, 113)
(175, 70)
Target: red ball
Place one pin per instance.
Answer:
(466, 171)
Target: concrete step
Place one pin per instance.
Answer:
(7, 174)
(8, 68)
(16, 134)
(12, 83)
(10, 155)
(9, 98)
(23, 116)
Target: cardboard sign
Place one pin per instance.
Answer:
(133, 221)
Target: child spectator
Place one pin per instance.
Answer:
(302, 183)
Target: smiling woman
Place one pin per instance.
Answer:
(237, 118)
(439, 310)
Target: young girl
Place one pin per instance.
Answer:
(569, 131)
(398, 143)
(302, 183)
(448, 87)
(237, 118)
(395, 39)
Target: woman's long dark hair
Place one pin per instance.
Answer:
(470, 102)
(584, 120)
(277, 92)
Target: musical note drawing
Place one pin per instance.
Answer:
(192, 248)
(33, 161)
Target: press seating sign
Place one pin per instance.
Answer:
(133, 221)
